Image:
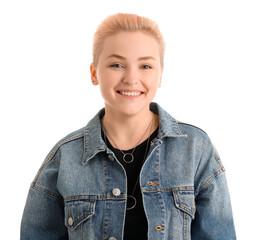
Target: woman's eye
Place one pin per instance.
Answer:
(116, 65)
(146, 67)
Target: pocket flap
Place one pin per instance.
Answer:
(77, 212)
(185, 201)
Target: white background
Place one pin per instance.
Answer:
(46, 92)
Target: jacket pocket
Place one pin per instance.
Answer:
(184, 201)
(78, 212)
(185, 213)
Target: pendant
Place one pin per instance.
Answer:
(128, 157)
(131, 202)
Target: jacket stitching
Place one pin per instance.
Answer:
(180, 205)
(210, 179)
(173, 189)
(177, 124)
(50, 157)
(96, 197)
(105, 214)
(163, 212)
(185, 226)
(79, 220)
(124, 196)
(217, 157)
(47, 192)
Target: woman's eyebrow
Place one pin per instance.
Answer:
(123, 58)
(146, 58)
(116, 56)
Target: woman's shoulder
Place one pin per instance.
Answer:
(52, 156)
(196, 135)
(192, 130)
(70, 137)
(79, 133)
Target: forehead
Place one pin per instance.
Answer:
(131, 44)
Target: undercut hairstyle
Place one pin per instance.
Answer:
(127, 23)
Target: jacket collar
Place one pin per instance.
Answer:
(93, 142)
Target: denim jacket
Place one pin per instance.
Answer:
(80, 190)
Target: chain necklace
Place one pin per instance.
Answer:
(129, 155)
(132, 196)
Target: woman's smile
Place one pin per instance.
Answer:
(130, 94)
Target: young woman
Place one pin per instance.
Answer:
(133, 172)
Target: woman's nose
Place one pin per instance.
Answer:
(131, 76)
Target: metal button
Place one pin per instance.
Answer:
(111, 157)
(150, 183)
(159, 228)
(116, 191)
(152, 143)
(112, 238)
(70, 221)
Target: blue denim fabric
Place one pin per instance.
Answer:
(183, 184)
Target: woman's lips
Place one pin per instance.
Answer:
(130, 94)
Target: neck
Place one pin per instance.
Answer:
(126, 131)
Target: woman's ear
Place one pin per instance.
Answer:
(93, 75)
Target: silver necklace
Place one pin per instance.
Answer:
(132, 196)
(126, 156)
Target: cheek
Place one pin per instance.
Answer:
(108, 76)
(152, 78)
(107, 82)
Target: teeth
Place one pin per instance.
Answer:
(131, 93)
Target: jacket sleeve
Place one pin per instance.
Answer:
(43, 216)
(213, 216)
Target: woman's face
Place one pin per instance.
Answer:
(128, 72)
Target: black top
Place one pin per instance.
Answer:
(136, 225)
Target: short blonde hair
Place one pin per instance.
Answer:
(129, 23)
